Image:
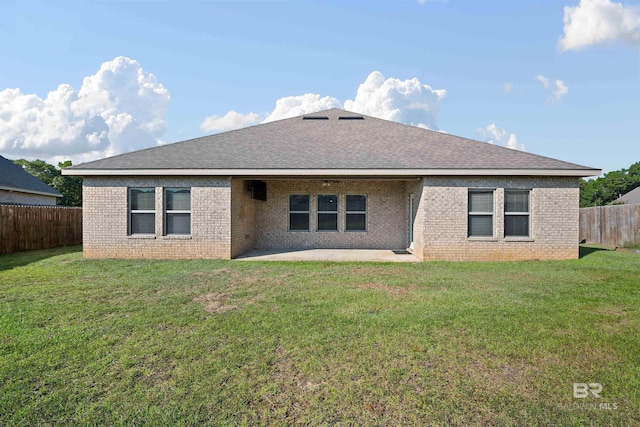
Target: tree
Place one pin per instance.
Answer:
(69, 186)
(634, 172)
(39, 168)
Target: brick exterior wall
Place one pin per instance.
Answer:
(418, 224)
(226, 222)
(554, 222)
(106, 216)
(18, 198)
(387, 212)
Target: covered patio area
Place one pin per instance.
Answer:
(336, 215)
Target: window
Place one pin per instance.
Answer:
(142, 210)
(177, 215)
(327, 212)
(480, 223)
(298, 212)
(516, 213)
(356, 214)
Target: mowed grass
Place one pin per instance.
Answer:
(124, 342)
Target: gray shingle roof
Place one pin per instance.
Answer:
(629, 198)
(14, 177)
(297, 143)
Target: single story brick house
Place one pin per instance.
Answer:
(19, 187)
(332, 179)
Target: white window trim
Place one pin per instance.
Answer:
(337, 196)
(176, 211)
(365, 212)
(492, 213)
(139, 211)
(308, 212)
(528, 213)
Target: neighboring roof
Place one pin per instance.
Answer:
(330, 145)
(630, 198)
(14, 178)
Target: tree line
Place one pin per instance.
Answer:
(69, 186)
(605, 189)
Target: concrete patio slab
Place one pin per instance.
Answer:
(379, 255)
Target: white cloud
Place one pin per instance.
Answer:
(291, 106)
(507, 87)
(120, 108)
(557, 88)
(597, 21)
(560, 90)
(231, 120)
(495, 135)
(542, 79)
(406, 101)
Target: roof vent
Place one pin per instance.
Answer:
(315, 118)
(350, 118)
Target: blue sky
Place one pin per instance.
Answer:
(492, 71)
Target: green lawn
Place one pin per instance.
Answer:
(120, 342)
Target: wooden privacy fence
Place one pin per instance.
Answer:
(615, 225)
(27, 228)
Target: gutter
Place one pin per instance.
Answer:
(332, 172)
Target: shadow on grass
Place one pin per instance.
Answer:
(588, 250)
(19, 259)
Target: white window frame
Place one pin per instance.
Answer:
(527, 213)
(308, 212)
(176, 211)
(327, 212)
(365, 212)
(492, 214)
(140, 211)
